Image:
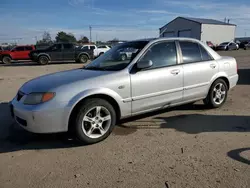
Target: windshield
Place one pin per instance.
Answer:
(118, 57)
(224, 43)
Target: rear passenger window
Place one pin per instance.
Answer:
(205, 55)
(190, 52)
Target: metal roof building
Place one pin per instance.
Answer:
(199, 28)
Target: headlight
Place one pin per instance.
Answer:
(37, 98)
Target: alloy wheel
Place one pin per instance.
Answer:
(219, 93)
(96, 122)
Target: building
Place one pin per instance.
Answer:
(201, 29)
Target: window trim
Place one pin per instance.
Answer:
(177, 56)
(199, 45)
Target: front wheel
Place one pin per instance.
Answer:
(43, 60)
(217, 95)
(6, 59)
(83, 59)
(95, 121)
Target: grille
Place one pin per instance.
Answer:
(19, 95)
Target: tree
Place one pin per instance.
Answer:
(83, 39)
(65, 37)
(46, 38)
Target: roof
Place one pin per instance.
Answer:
(206, 21)
(202, 21)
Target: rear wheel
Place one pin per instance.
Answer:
(6, 59)
(217, 95)
(101, 53)
(43, 60)
(83, 58)
(95, 121)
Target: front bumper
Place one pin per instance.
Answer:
(42, 118)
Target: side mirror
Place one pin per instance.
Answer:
(144, 64)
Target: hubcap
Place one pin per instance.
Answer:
(96, 122)
(219, 93)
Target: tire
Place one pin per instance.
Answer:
(123, 57)
(88, 124)
(83, 58)
(6, 59)
(43, 60)
(210, 100)
(227, 48)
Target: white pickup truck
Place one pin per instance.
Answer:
(97, 50)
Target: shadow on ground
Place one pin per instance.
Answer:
(244, 77)
(236, 155)
(14, 138)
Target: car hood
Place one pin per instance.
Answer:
(52, 81)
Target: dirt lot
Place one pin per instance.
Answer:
(184, 147)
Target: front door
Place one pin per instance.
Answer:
(161, 84)
(199, 69)
(68, 52)
(56, 52)
(18, 53)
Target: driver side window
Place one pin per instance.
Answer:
(162, 55)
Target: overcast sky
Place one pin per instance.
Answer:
(24, 20)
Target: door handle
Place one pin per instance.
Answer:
(175, 71)
(213, 66)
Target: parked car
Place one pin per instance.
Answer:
(210, 44)
(61, 52)
(17, 53)
(163, 72)
(100, 50)
(227, 46)
(247, 46)
(242, 44)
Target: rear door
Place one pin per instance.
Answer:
(68, 52)
(18, 53)
(56, 52)
(27, 50)
(198, 67)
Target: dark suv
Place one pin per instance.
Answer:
(61, 52)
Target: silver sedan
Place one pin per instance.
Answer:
(162, 73)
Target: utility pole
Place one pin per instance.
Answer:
(36, 38)
(90, 33)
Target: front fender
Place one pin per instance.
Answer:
(45, 54)
(125, 107)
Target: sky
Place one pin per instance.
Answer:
(25, 21)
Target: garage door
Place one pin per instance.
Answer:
(184, 33)
(168, 34)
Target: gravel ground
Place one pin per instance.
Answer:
(187, 146)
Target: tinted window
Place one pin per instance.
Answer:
(29, 48)
(68, 46)
(56, 47)
(85, 48)
(205, 55)
(162, 55)
(102, 47)
(92, 47)
(21, 48)
(190, 52)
